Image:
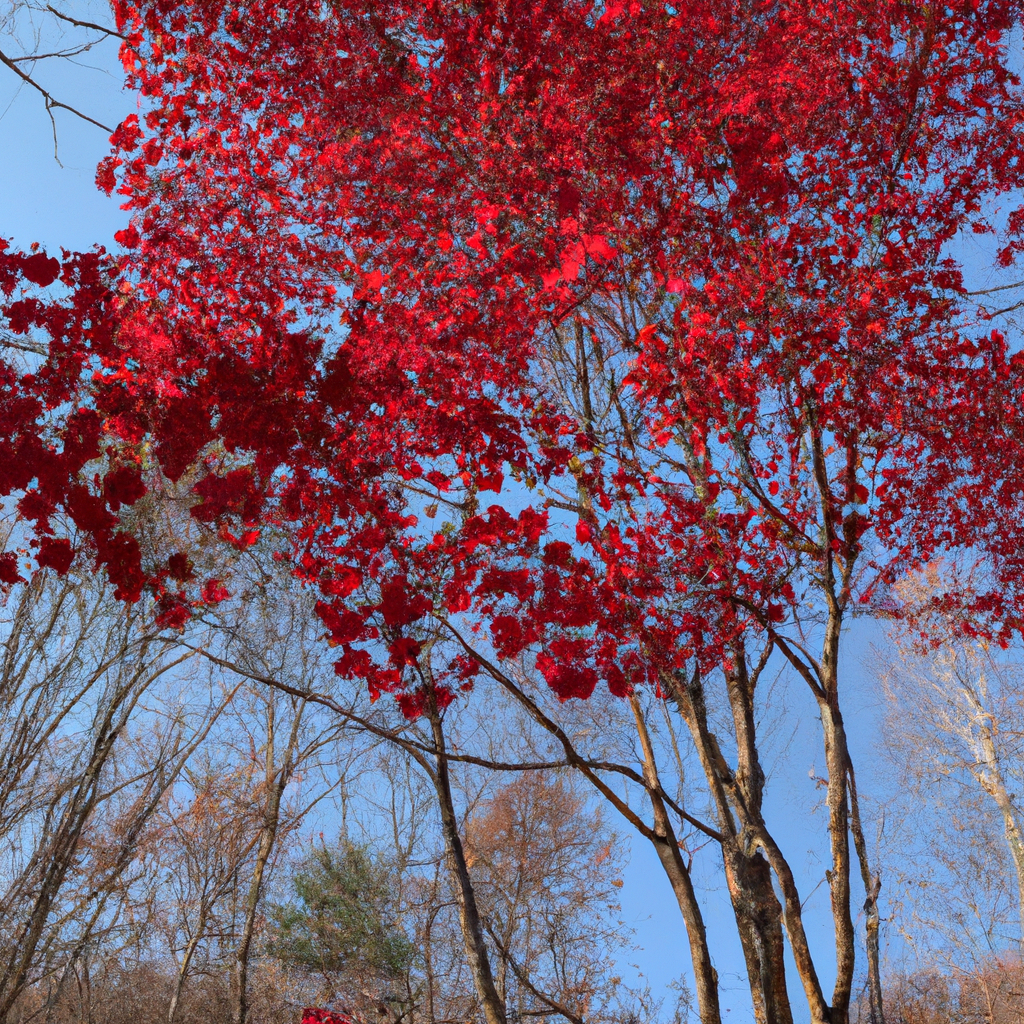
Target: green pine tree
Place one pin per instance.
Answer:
(343, 919)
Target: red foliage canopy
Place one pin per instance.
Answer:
(672, 281)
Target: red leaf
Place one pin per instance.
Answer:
(128, 237)
(343, 625)
(400, 607)
(233, 493)
(179, 567)
(612, 9)
(123, 486)
(56, 554)
(173, 612)
(214, 592)
(598, 247)
(568, 198)
(40, 269)
(9, 574)
(341, 582)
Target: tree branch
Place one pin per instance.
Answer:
(85, 24)
(51, 102)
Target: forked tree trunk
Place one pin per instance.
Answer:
(756, 907)
(661, 836)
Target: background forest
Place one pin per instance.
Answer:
(204, 817)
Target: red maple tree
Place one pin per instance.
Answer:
(673, 283)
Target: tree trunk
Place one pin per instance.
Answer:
(60, 856)
(186, 962)
(277, 781)
(836, 592)
(469, 914)
(764, 911)
(667, 847)
(872, 921)
(661, 836)
(837, 759)
(755, 906)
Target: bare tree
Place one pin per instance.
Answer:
(286, 735)
(954, 733)
(208, 837)
(548, 868)
(74, 805)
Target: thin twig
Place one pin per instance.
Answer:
(1008, 309)
(998, 288)
(84, 24)
(66, 54)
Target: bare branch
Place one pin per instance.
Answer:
(23, 346)
(998, 288)
(85, 24)
(52, 103)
